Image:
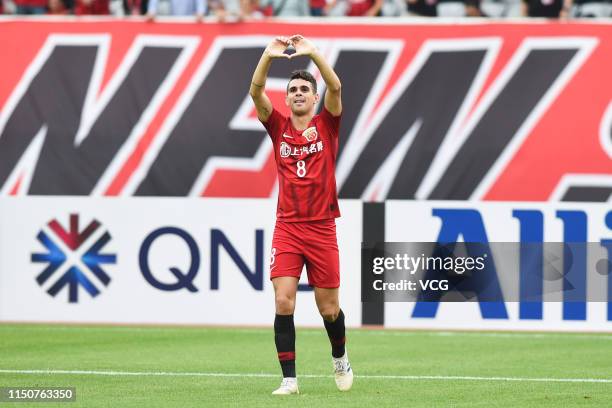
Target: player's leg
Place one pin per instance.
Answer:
(285, 289)
(333, 319)
(285, 271)
(323, 267)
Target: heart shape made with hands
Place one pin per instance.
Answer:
(289, 47)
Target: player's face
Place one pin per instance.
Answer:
(300, 98)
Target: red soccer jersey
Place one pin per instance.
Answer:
(306, 165)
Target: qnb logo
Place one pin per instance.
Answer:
(73, 258)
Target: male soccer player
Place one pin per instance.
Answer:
(305, 149)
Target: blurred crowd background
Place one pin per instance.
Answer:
(238, 10)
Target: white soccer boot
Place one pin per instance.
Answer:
(288, 386)
(343, 372)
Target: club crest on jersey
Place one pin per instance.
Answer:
(285, 150)
(310, 134)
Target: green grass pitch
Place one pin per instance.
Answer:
(200, 367)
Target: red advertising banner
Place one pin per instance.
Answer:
(470, 111)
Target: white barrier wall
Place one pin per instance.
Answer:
(219, 251)
(129, 297)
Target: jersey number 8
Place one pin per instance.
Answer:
(301, 168)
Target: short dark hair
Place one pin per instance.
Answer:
(306, 76)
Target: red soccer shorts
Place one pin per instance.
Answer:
(312, 243)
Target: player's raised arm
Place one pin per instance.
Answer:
(275, 49)
(333, 101)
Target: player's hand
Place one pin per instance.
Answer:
(302, 46)
(276, 49)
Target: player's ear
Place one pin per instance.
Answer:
(287, 100)
(317, 98)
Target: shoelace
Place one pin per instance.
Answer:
(340, 366)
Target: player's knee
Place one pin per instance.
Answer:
(284, 304)
(329, 313)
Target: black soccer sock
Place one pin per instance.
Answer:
(336, 334)
(284, 338)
